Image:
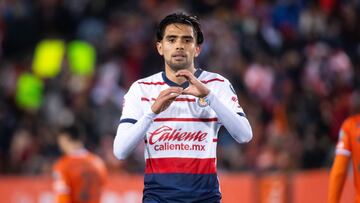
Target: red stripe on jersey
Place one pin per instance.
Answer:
(212, 80)
(152, 83)
(144, 99)
(186, 119)
(215, 140)
(177, 99)
(185, 99)
(181, 165)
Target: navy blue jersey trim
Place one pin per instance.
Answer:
(185, 84)
(242, 114)
(128, 120)
(175, 187)
(198, 73)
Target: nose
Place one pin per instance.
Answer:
(179, 45)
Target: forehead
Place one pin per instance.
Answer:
(179, 29)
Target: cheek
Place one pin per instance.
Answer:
(166, 51)
(192, 49)
(193, 53)
(166, 54)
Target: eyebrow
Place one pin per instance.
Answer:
(176, 36)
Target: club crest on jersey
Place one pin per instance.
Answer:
(202, 102)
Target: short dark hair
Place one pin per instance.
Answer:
(183, 19)
(74, 132)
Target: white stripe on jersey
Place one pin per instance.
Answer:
(186, 129)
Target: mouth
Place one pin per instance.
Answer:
(179, 56)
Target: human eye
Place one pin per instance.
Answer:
(171, 39)
(188, 40)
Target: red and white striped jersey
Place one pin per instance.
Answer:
(181, 141)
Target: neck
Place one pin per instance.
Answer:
(170, 73)
(71, 149)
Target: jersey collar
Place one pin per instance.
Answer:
(185, 84)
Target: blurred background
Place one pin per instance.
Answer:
(293, 63)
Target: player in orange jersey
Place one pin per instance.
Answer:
(348, 147)
(79, 175)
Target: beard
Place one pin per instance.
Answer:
(178, 65)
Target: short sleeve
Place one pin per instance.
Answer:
(343, 145)
(132, 110)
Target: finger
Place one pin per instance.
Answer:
(188, 76)
(186, 91)
(184, 73)
(170, 94)
(171, 97)
(176, 89)
(175, 92)
(171, 90)
(163, 102)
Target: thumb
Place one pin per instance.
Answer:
(187, 91)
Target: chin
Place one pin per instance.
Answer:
(179, 66)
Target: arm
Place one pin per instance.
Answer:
(60, 187)
(342, 158)
(237, 125)
(337, 178)
(128, 135)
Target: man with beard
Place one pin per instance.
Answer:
(177, 113)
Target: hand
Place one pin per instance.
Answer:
(165, 98)
(196, 88)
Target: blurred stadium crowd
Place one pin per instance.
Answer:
(295, 65)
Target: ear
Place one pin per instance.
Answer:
(197, 50)
(159, 48)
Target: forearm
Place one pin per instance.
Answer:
(62, 198)
(128, 135)
(337, 181)
(238, 126)
(337, 178)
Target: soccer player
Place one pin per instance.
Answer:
(347, 148)
(79, 175)
(177, 113)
